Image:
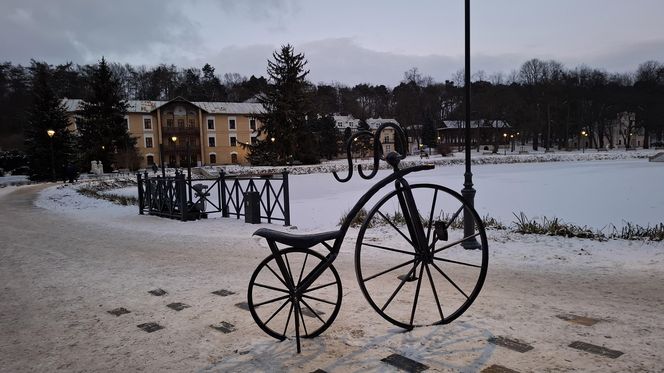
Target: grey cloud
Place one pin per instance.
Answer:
(343, 61)
(625, 58)
(83, 31)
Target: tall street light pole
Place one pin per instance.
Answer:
(50, 134)
(468, 192)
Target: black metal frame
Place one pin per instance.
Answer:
(415, 226)
(177, 198)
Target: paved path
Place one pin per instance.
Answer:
(60, 277)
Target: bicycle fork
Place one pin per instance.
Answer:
(414, 224)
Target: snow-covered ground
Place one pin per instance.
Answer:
(68, 266)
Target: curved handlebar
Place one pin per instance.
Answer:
(401, 142)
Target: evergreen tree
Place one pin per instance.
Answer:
(47, 155)
(286, 104)
(328, 137)
(102, 127)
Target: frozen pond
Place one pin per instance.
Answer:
(594, 193)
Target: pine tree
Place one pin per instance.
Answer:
(102, 127)
(328, 137)
(286, 104)
(47, 155)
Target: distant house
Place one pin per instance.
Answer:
(212, 132)
(485, 131)
(341, 122)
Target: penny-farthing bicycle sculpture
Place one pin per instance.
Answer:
(412, 259)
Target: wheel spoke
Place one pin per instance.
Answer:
(389, 249)
(449, 279)
(395, 227)
(435, 293)
(319, 287)
(288, 319)
(455, 242)
(271, 301)
(388, 270)
(312, 310)
(276, 312)
(318, 299)
(457, 262)
(403, 281)
(270, 287)
(417, 294)
(276, 275)
(299, 311)
(433, 206)
(302, 270)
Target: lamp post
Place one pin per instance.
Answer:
(584, 136)
(174, 139)
(468, 192)
(50, 134)
(505, 141)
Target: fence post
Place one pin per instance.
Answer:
(182, 194)
(141, 203)
(268, 189)
(147, 196)
(222, 193)
(286, 199)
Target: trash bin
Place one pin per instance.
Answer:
(252, 207)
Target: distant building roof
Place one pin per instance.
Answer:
(147, 106)
(484, 123)
(374, 123)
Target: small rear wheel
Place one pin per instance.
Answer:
(431, 280)
(281, 307)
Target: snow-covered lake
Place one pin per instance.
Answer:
(596, 193)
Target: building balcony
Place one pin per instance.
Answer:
(181, 130)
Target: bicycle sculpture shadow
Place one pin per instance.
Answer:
(411, 258)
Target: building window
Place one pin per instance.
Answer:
(212, 142)
(148, 142)
(231, 123)
(150, 159)
(213, 158)
(126, 120)
(147, 123)
(210, 123)
(233, 141)
(387, 149)
(190, 123)
(180, 122)
(169, 122)
(254, 140)
(234, 158)
(252, 124)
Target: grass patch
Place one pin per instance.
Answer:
(637, 232)
(553, 227)
(94, 190)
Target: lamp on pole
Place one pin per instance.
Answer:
(174, 139)
(468, 192)
(584, 136)
(50, 134)
(505, 141)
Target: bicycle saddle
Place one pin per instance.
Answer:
(302, 241)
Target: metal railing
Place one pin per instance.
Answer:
(178, 197)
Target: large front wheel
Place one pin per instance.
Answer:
(421, 269)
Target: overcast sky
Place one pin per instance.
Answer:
(346, 41)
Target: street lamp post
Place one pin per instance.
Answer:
(468, 192)
(50, 134)
(505, 141)
(174, 139)
(584, 136)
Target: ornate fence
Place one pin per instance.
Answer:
(182, 198)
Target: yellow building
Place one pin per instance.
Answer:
(212, 133)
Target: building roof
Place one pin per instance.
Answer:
(374, 123)
(484, 123)
(148, 106)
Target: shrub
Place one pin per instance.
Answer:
(444, 149)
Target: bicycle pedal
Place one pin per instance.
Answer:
(407, 278)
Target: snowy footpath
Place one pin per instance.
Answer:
(66, 260)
